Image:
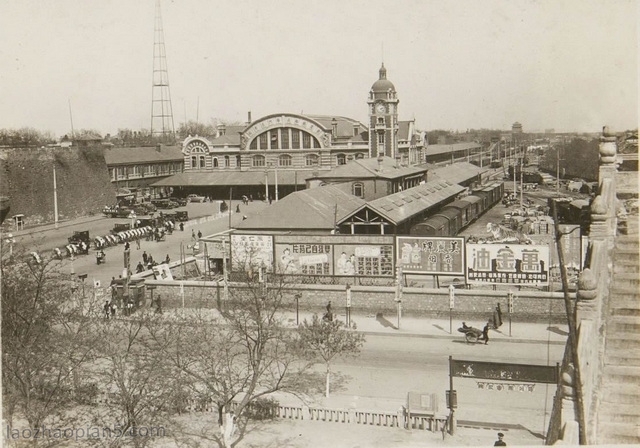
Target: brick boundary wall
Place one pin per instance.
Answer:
(529, 306)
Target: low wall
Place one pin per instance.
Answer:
(530, 306)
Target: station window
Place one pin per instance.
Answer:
(257, 161)
(358, 189)
(311, 160)
(284, 160)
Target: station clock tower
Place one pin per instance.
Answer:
(383, 117)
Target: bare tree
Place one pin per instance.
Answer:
(46, 341)
(238, 357)
(327, 339)
(133, 376)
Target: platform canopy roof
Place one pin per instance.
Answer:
(314, 209)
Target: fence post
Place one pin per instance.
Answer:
(305, 413)
(352, 416)
(401, 422)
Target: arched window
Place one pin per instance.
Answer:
(238, 161)
(341, 159)
(194, 162)
(227, 162)
(215, 162)
(254, 144)
(358, 189)
(202, 162)
(257, 161)
(284, 160)
(311, 160)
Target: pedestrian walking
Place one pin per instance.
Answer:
(193, 235)
(500, 442)
(158, 305)
(107, 309)
(145, 257)
(199, 234)
(137, 243)
(139, 268)
(113, 310)
(498, 316)
(485, 333)
(167, 259)
(238, 208)
(127, 246)
(182, 227)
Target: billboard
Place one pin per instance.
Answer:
(251, 251)
(431, 255)
(503, 371)
(334, 255)
(515, 264)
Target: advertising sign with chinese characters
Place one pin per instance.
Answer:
(514, 264)
(251, 251)
(304, 258)
(431, 255)
(342, 255)
(504, 371)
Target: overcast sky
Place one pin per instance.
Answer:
(567, 65)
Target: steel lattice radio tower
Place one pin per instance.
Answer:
(161, 110)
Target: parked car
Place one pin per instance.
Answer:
(195, 198)
(181, 201)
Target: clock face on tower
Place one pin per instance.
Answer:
(381, 109)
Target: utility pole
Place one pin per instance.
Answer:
(55, 196)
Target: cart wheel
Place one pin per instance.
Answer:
(471, 338)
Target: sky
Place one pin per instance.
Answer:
(570, 65)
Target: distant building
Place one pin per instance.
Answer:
(139, 167)
(516, 128)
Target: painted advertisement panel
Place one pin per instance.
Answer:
(515, 264)
(251, 251)
(504, 371)
(304, 258)
(365, 260)
(318, 257)
(431, 255)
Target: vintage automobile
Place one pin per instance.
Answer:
(120, 227)
(195, 198)
(164, 203)
(81, 240)
(116, 212)
(180, 201)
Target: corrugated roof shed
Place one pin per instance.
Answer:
(457, 173)
(142, 154)
(445, 149)
(399, 207)
(202, 179)
(370, 168)
(312, 209)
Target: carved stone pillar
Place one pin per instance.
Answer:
(587, 293)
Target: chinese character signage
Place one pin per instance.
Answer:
(251, 251)
(341, 255)
(504, 371)
(303, 259)
(428, 255)
(516, 264)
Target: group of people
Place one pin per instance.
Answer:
(148, 262)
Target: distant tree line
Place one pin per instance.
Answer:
(578, 159)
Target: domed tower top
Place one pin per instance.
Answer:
(382, 85)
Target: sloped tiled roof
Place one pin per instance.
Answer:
(203, 179)
(457, 173)
(345, 126)
(231, 136)
(142, 154)
(403, 130)
(369, 168)
(312, 209)
(399, 207)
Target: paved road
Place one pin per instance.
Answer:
(390, 367)
(86, 264)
